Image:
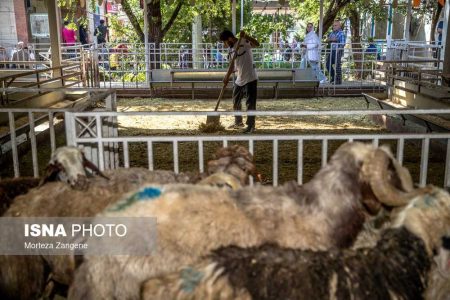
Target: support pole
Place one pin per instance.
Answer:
(90, 17)
(146, 49)
(372, 28)
(389, 25)
(55, 33)
(242, 14)
(406, 34)
(321, 20)
(445, 52)
(197, 42)
(233, 16)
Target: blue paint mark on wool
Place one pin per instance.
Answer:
(190, 279)
(429, 199)
(146, 194)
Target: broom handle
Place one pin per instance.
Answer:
(228, 74)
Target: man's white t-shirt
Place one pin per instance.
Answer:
(243, 65)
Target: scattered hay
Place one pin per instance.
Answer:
(210, 127)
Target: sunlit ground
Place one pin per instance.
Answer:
(190, 124)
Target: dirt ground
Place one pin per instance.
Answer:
(188, 152)
(265, 125)
(310, 125)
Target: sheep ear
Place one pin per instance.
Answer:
(88, 164)
(51, 173)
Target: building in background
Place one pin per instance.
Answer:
(14, 25)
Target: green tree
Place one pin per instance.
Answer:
(309, 10)
(263, 26)
(163, 14)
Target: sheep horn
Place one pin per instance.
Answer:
(379, 179)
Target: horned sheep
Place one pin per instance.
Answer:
(397, 267)
(67, 191)
(327, 212)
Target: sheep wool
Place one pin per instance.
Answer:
(398, 266)
(394, 269)
(325, 213)
(24, 277)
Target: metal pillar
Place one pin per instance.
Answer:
(406, 34)
(233, 16)
(196, 42)
(445, 53)
(146, 49)
(91, 26)
(389, 25)
(55, 33)
(321, 20)
(372, 28)
(242, 14)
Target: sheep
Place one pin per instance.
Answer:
(76, 195)
(395, 268)
(438, 283)
(327, 212)
(67, 164)
(13, 187)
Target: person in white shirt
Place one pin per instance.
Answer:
(312, 45)
(246, 78)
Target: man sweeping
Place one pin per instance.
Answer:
(246, 78)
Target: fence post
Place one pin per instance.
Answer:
(69, 120)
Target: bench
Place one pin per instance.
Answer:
(218, 76)
(265, 76)
(432, 123)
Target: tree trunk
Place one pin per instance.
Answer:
(156, 31)
(133, 20)
(332, 11)
(154, 17)
(356, 41)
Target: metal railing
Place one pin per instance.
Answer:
(129, 66)
(40, 128)
(64, 76)
(126, 65)
(37, 55)
(91, 129)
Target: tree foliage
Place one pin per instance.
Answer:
(263, 26)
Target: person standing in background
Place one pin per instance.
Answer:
(68, 35)
(83, 34)
(101, 32)
(312, 45)
(336, 42)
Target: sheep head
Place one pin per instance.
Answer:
(67, 164)
(390, 183)
(231, 167)
(428, 216)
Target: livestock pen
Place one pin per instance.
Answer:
(294, 138)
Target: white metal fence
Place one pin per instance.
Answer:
(129, 66)
(91, 129)
(125, 65)
(38, 131)
(98, 132)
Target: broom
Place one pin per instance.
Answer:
(216, 119)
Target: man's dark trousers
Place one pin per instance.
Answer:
(334, 66)
(249, 91)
